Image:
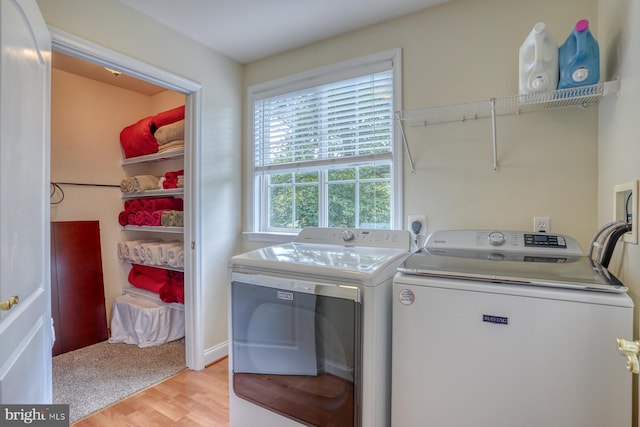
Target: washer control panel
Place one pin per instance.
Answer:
(503, 241)
(399, 239)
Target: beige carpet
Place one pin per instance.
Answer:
(97, 376)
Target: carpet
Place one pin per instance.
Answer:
(97, 376)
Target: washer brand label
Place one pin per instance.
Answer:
(287, 296)
(406, 297)
(495, 319)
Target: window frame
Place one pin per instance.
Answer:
(335, 72)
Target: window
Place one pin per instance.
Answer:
(324, 150)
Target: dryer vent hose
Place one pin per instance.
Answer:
(612, 241)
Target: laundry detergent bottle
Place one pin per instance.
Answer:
(579, 58)
(538, 61)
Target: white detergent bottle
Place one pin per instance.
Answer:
(538, 61)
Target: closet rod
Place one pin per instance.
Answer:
(85, 184)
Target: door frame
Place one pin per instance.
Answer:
(83, 49)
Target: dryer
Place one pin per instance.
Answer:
(508, 328)
(310, 329)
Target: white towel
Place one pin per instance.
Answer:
(170, 132)
(174, 255)
(146, 252)
(128, 246)
(164, 248)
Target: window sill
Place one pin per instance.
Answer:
(275, 238)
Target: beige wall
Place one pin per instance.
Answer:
(111, 24)
(619, 127)
(85, 149)
(467, 50)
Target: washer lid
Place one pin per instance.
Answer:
(575, 272)
(355, 264)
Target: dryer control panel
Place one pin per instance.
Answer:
(503, 241)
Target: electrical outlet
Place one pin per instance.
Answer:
(422, 219)
(541, 224)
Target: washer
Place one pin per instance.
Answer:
(508, 328)
(310, 329)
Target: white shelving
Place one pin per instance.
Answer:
(494, 107)
(154, 193)
(155, 229)
(156, 157)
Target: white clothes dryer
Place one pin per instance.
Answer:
(310, 329)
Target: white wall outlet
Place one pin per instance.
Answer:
(541, 224)
(422, 219)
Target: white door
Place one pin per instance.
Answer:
(25, 328)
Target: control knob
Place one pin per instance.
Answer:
(348, 235)
(496, 238)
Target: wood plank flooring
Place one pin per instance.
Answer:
(190, 398)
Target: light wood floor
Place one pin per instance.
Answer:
(190, 398)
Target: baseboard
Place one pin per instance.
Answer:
(213, 354)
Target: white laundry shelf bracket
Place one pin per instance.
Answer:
(582, 97)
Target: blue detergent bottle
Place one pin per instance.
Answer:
(579, 58)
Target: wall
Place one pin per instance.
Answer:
(86, 119)
(146, 40)
(467, 50)
(619, 127)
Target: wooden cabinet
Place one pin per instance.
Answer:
(77, 288)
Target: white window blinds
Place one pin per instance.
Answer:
(347, 122)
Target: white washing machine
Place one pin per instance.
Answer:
(310, 329)
(504, 329)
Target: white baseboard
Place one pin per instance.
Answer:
(213, 354)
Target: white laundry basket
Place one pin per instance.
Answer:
(144, 323)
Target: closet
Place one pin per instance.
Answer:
(90, 106)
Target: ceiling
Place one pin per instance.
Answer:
(248, 30)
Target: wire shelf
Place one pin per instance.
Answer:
(491, 108)
(561, 98)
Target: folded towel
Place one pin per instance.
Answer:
(171, 179)
(172, 218)
(170, 132)
(140, 183)
(175, 256)
(177, 145)
(173, 290)
(162, 251)
(123, 218)
(128, 245)
(160, 203)
(149, 278)
(167, 117)
(137, 139)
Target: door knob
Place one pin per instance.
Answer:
(8, 303)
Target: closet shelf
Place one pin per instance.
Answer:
(494, 107)
(155, 229)
(151, 158)
(154, 193)
(163, 266)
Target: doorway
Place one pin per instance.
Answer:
(92, 54)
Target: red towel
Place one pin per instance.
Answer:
(167, 117)
(138, 140)
(162, 203)
(123, 218)
(173, 291)
(171, 179)
(149, 278)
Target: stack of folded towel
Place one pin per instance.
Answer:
(174, 179)
(170, 137)
(139, 138)
(169, 285)
(151, 212)
(152, 252)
